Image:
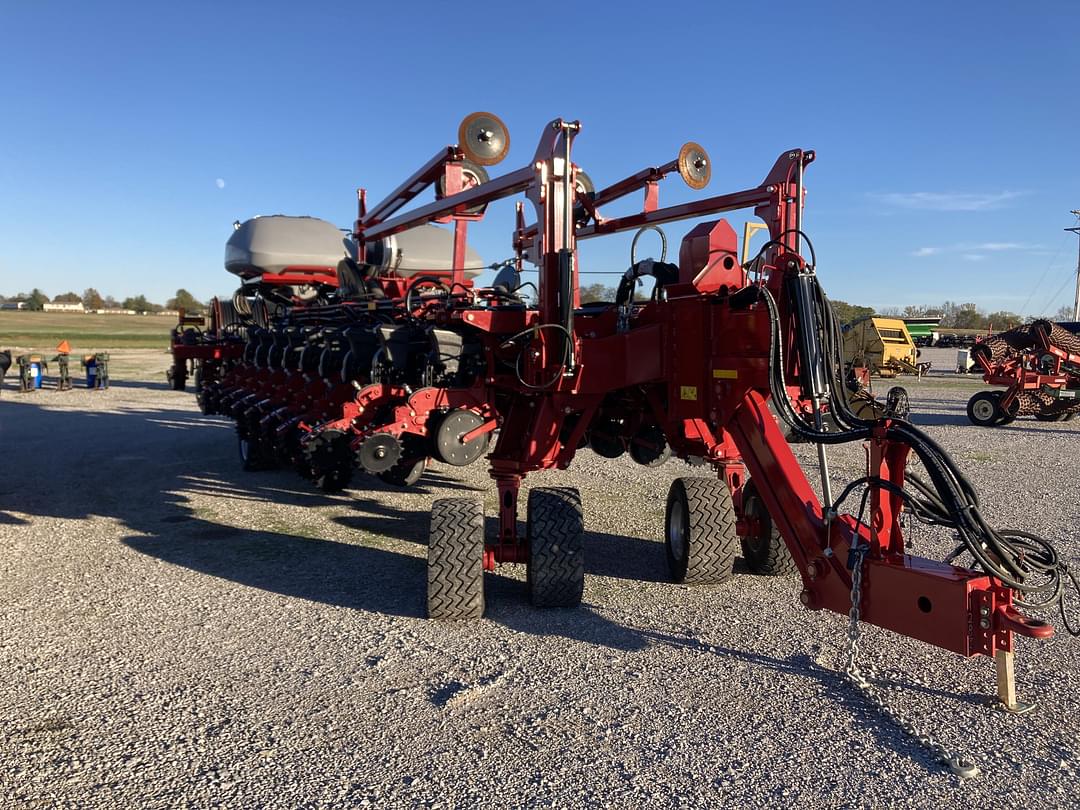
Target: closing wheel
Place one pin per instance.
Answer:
(984, 408)
(329, 460)
(765, 552)
(455, 563)
(253, 456)
(699, 531)
(555, 531)
(649, 447)
(405, 473)
(379, 452)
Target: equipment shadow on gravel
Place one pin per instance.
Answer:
(960, 419)
(836, 688)
(357, 577)
(146, 385)
(139, 466)
(134, 466)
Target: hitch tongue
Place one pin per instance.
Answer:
(1009, 618)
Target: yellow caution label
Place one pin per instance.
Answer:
(725, 373)
(688, 392)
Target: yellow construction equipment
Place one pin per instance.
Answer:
(882, 345)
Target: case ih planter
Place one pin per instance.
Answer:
(383, 370)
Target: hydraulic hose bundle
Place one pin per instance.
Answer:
(1023, 561)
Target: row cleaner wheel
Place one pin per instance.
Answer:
(330, 458)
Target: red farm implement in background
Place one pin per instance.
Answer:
(1039, 366)
(202, 345)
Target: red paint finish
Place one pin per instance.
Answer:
(693, 364)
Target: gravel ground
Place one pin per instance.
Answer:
(175, 632)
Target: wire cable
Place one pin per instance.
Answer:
(517, 360)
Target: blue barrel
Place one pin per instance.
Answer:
(91, 373)
(35, 375)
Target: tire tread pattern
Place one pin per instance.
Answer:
(455, 564)
(768, 556)
(556, 530)
(712, 541)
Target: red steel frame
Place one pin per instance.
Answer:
(370, 224)
(701, 363)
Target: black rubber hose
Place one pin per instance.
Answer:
(1012, 557)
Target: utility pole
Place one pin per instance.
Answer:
(1076, 298)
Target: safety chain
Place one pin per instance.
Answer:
(959, 764)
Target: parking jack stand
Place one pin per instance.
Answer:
(1004, 661)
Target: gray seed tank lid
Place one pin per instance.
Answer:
(271, 244)
(424, 248)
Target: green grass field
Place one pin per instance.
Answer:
(42, 331)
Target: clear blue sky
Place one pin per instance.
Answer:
(946, 133)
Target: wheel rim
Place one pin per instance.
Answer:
(983, 410)
(751, 509)
(677, 521)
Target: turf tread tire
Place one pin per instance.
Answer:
(711, 539)
(768, 554)
(455, 562)
(556, 538)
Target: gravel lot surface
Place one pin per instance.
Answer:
(175, 632)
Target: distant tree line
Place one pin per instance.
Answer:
(36, 300)
(971, 316)
(594, 293)
(953, 315)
